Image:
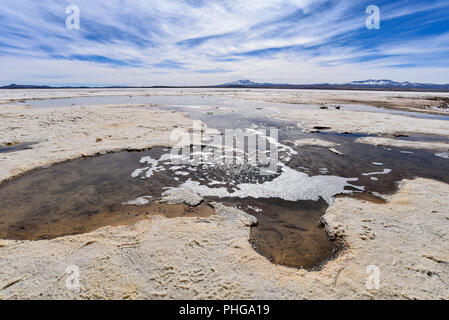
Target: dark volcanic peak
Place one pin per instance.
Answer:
(18, 86)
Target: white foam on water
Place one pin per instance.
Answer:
(444, 155)
(181, 173)
(374, 178)
(214, 182)
(153, 168)
(148, 160)
(138, 202)
(137, 172)
(386, 171)
(377, 163)
(175, 168)
(291, 185)
(271, 140)
(255, 209)
(335, 151)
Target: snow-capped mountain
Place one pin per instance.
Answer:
(374, 83)
(240, 83)
(364, 84)
(249, 83)
(393, 84)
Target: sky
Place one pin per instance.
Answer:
(207, 42)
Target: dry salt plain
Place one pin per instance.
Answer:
(87, 180)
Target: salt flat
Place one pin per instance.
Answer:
(211, 257)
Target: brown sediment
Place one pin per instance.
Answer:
(289, 232)
(13, 143)
(364, 196)
(82, 195)
(49, 227)
(16, 146)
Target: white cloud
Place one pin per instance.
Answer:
(159, 42)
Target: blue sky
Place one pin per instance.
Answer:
(202, 42)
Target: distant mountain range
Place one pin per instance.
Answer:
(18, 86)
(365, 84)
(354, 85)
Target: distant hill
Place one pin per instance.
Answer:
(249, 83)
(241, 83)
(18, 86)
